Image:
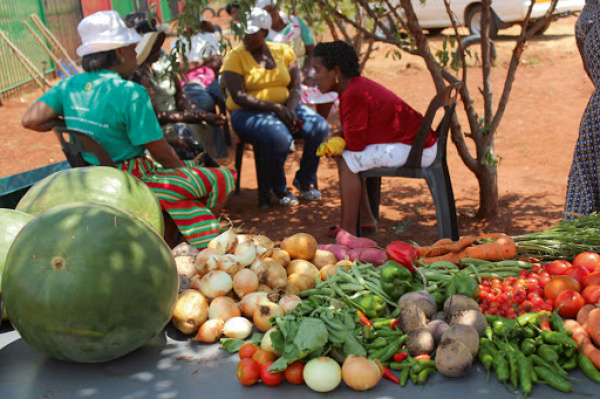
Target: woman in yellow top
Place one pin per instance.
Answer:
(263, 85)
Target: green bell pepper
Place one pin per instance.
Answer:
(372, 305)
(463, 284)
(395, 279)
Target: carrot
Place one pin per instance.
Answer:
(443, 241)
(584, 312)
(445, 246)
(593, 325)
(501, 249)
(433, 251)
(453, 257)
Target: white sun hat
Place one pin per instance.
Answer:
(104, 31)
(265, 3)
(144, 47)
(257, 20)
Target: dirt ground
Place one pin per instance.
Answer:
(535, 142)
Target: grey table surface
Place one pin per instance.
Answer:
(170, 366)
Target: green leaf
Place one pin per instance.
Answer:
(232, 345)
(311, 335)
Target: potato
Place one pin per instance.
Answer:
(302, 281)
(422, 299)
(327, 271)
(299, 266)
(292, 289)
(458, 302)
(276, 275)
(420, 341)
(472, 318)
(323, 258)
(465, 334)
(300, 246)
(453, 359)
(281, 256)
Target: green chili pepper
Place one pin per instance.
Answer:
(528, 318)
(513, 368)
(525, 373)
(395, 279)
(423, 374)
(588, 368)
(557, 323)
(500, 364)
(553, 337)
(404, 376)
(372, 305)
(501, 328)
(380, 323)
(488, 333)
(528, 346)
(552, 379)
(570, 364)
(485, 358)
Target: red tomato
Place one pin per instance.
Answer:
(268, 378)
(558, 267)
(261, 357)
(248, 371)
(544, 279)
(592, 279)
(247, 350)
(293, 373)
(579, 273)
(589, 260)
(591, 294)
(568, 303)
(559, 284)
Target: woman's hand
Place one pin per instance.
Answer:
(214, 119)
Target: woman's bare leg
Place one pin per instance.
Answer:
(350, 193)
(366, 215)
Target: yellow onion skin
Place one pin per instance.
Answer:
(360, 373)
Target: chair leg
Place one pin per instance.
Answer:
(239, 153)
(373, 185)
(262, 176)
(443, 199)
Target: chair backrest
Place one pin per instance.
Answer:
(75, 144)
(446, 99)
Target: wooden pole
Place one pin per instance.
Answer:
(52, 39)
(50, 53)
(31, 69)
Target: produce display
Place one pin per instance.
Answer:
(102, 282)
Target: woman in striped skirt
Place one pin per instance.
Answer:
(119, 115)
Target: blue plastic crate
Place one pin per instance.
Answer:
(13, 187)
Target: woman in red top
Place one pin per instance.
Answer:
(378, 127)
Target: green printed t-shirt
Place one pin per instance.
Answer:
(116, 112)
(265, 84)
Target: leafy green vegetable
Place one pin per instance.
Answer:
(233, 345)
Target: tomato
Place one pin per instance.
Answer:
(591, 294)
(589, 260)
(592, 279)
(293, 373)
(568, 303)
(559, 284)
(544, 279)
(248, 371)
(579, 273)
(268, 378)
(261, 357)
(558, 267)
(247, 350)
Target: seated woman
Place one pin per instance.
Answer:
(377, 125)
(263, 83)
(295, 32)
(173, 109)
(118, 114)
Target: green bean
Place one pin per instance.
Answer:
(351, 287)
(317, 291)
(404, 376)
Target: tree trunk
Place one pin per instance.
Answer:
(487, 176)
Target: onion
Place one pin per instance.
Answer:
(322, 374)
(195, 282)
(259, 267)
(264, 288)
(251, 301)
(216, 283)
(245, 252)
(289, 302)
(244, 282)
(224, 242)
(360, 373)
(264, 312)
(206, 261)
(184, 248)
(264, 242)
(223, 308)
(185, 265)
(266, 344)
(229, 263)
(210, 331)
(237, 327)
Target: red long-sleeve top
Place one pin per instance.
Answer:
(372, 114)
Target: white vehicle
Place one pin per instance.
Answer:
(432, 14)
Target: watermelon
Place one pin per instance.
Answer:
(87, 282)
(101, 184)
